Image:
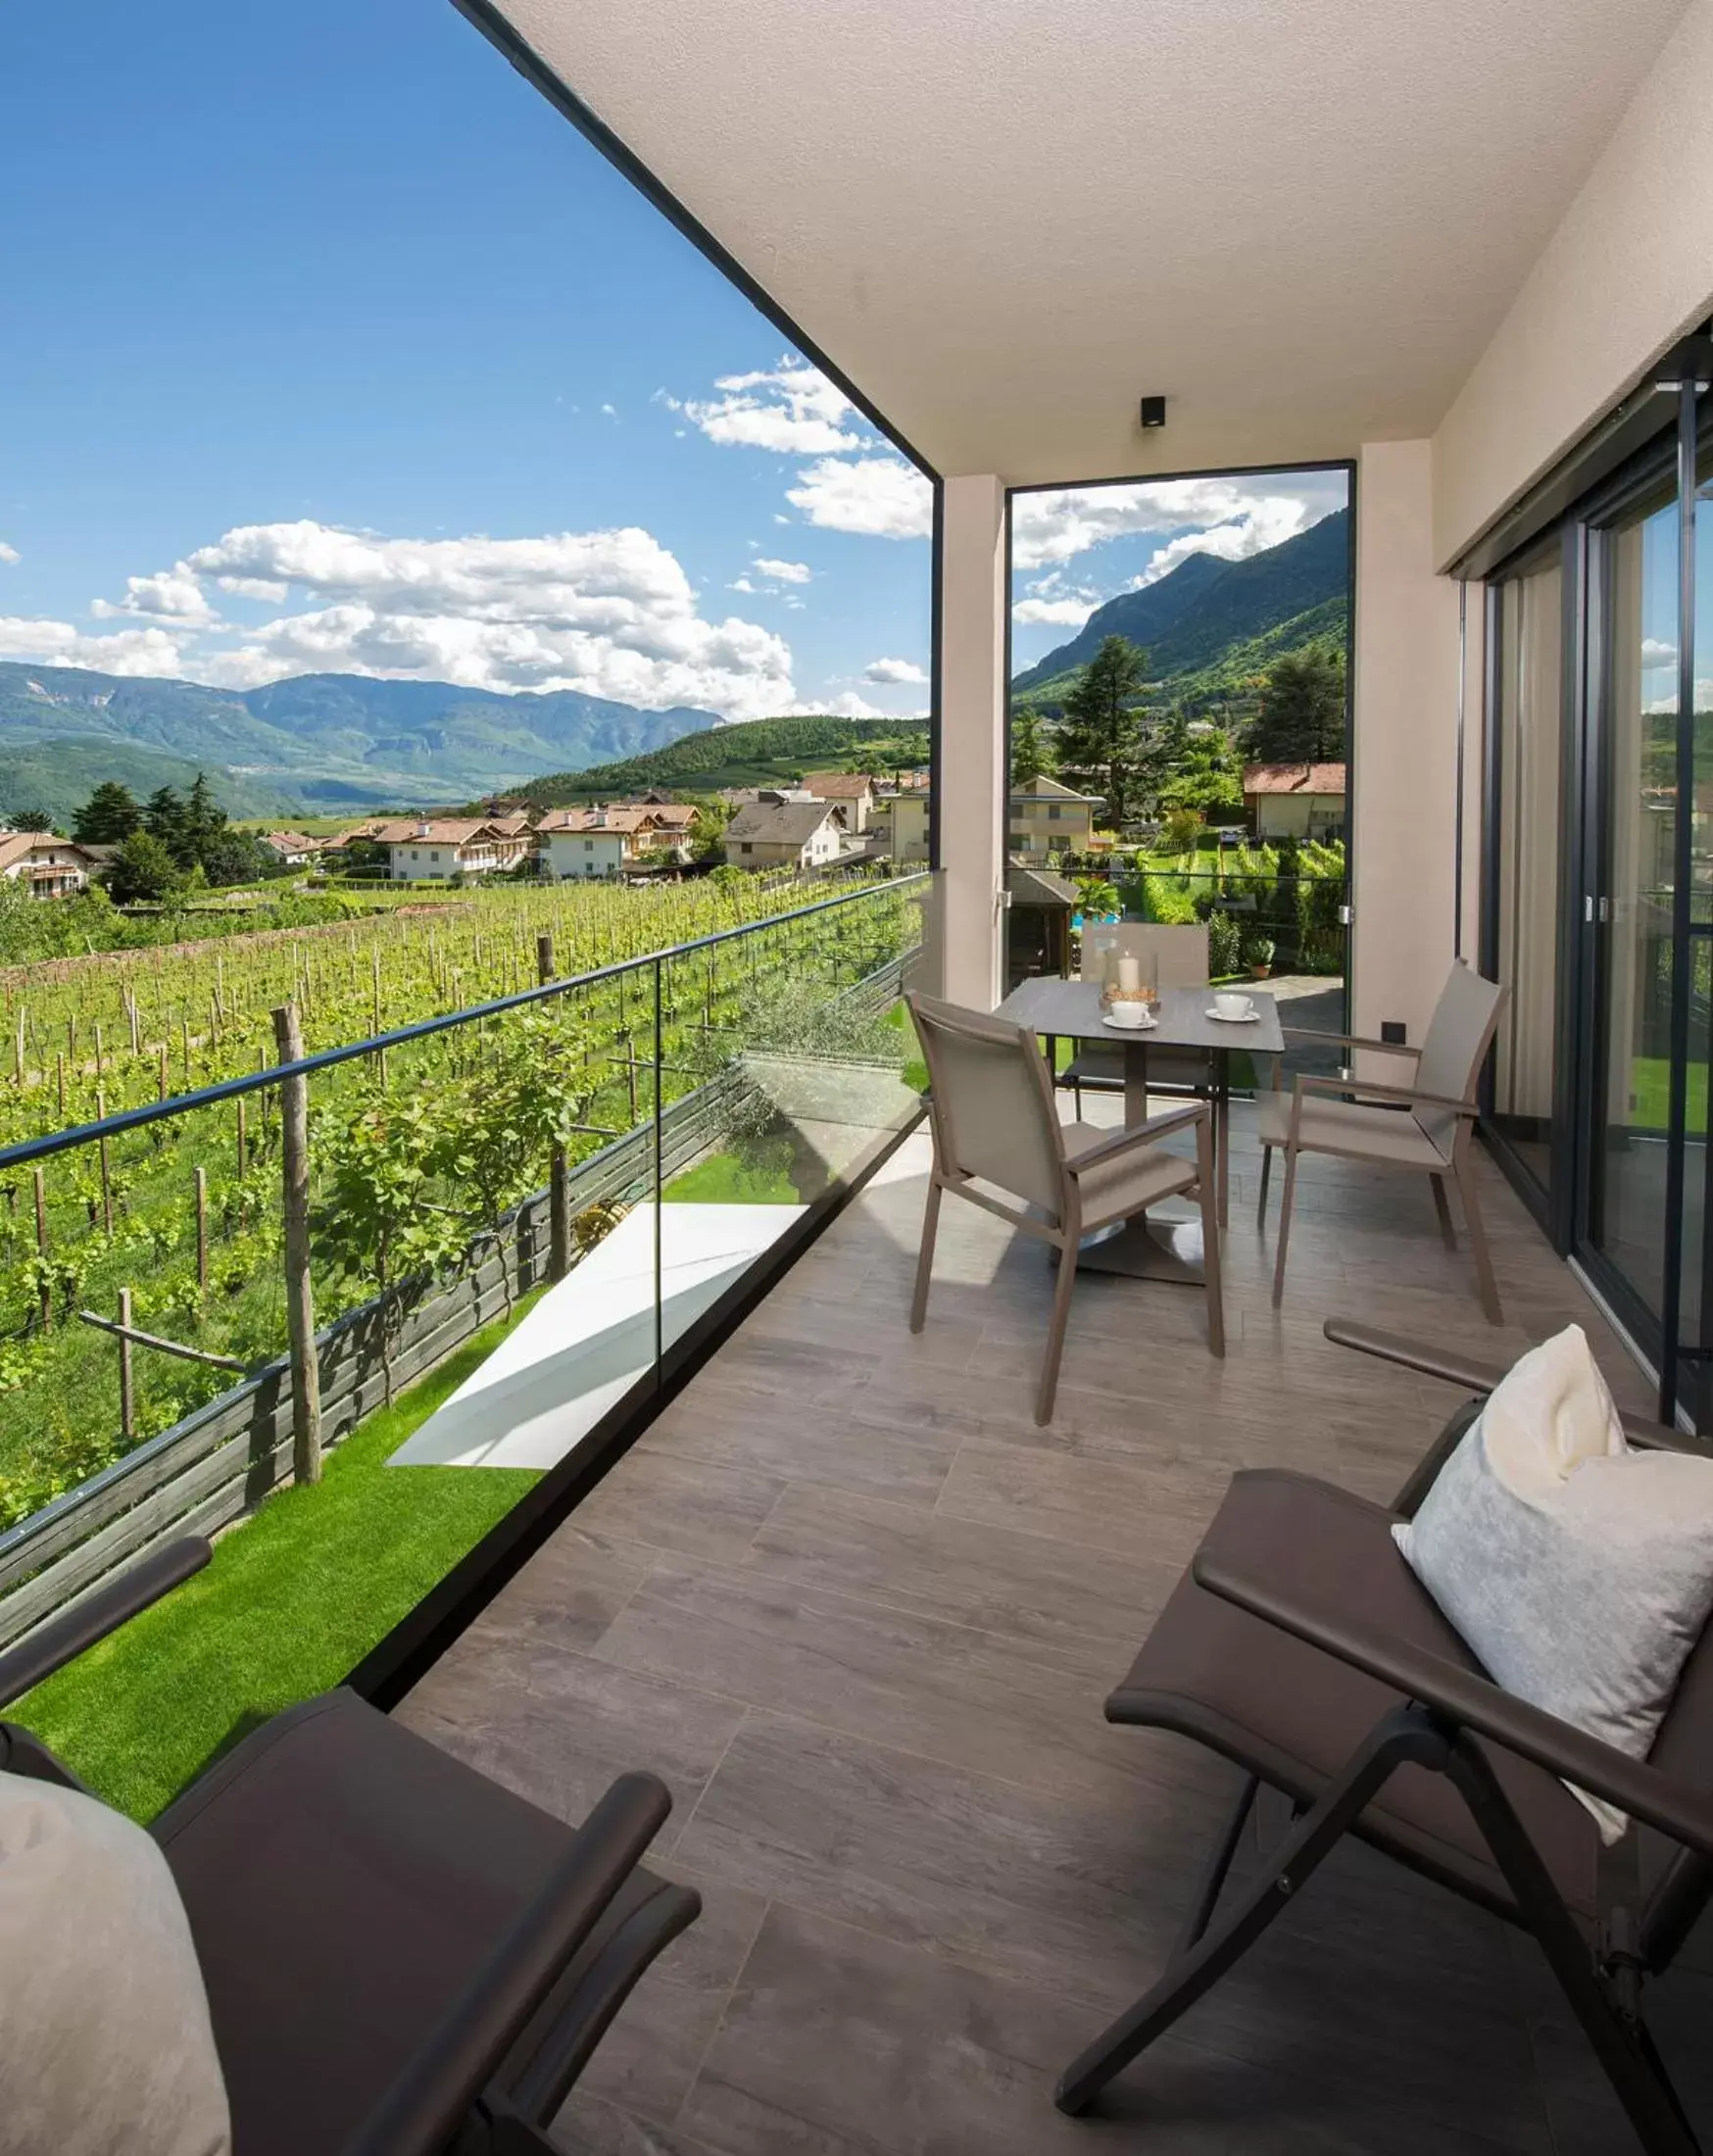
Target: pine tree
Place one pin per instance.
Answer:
(1301, 718)
(1102, 732)
(143, 869)
(109, 816)
(204, 819)
(163, 818)
(1031, 755)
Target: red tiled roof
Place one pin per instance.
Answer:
(1294, 778)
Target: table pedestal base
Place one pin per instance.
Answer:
(1156, 1246)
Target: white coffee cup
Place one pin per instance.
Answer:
(1132, 1017)
(1228, 1004)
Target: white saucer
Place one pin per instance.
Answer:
(1244, 1018)
(1147, 1025)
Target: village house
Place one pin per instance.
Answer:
(433, 849)
(779, 832)
(52, 868)
(1048, 817)
(853, 791)
(1294, 801)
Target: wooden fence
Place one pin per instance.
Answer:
(224, 1457)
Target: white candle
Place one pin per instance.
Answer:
(1129, 972)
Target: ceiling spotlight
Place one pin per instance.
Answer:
(1153, 411)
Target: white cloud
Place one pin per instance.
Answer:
(1656, 652)
(1068, 613)
(881, 671)
(9, 554)
(172, 595)
(256, 587)
(610, 411)
(1265, 523)
(609, 612)
(791, 407)
(784, 572)
(743, 584)
(1059, 525)
(60, 644)
(880, 497)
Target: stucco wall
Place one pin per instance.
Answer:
(1403, 774)
(1629, 269)
(973, 600)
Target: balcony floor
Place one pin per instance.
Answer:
(861, 1614)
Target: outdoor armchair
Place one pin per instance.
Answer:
(1427, 1125)
(400, 1956)
(999, 1143)
(1301, 1646)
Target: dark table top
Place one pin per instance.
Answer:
(1072, 1009)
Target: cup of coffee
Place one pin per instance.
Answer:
(1228, 1004)
(1129, 1014)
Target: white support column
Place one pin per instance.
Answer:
(1404, 780)
(971, 807)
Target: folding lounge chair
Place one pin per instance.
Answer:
(1301, 1646)
(400, 1956)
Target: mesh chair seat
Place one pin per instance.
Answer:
(1115, 1190)
(1294, 1715)
(1330, 1125)
(335, 1825)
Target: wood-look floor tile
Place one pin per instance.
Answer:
(1018, 1711)
(558, 1728)
(838, 2042)
(1145, 1509)
(658, 1499)
(1017, 1587)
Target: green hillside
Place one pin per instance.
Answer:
(763, 752)
(58, 776)
(333, 741)
(1205, 631)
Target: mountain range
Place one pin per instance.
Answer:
(322, 742)
(1289, 595)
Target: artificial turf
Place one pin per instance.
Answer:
(294, 1599)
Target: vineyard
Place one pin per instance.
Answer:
(418, 1151)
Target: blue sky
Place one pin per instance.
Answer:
(331, 347)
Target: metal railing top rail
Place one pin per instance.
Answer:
(31, 1149)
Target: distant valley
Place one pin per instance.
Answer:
(322, 742)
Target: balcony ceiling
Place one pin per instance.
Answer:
(1301, 220)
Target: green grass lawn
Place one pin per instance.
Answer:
(732, 1179)
(1651, 1088)
(293, 1601)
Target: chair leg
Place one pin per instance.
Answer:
(1267, 1178)
(1061, 1303)
(1285, 1205)
(1618, 2038)
(1485, 1279)
(925, 1258)
(1442, 1206)
(1210, 1259)
(1404, 1735)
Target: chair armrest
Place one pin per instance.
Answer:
(1136, 1134)
(1475, 1376)
(430, 2099)
(1349, 1040)
(1470, 1702)
(1311, 1080)
(62, 1639)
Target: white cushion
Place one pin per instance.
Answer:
(105, 2043)
(1579, 1572)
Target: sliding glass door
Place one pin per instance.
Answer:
(1526, 793)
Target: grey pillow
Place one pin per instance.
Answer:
(105, 2043)
(1580, 1572)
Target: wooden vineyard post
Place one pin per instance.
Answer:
(243, 1137)
(126, 1401)
(202, 1229)
(46, 1294)
(300, 1308)
(559, 1183)
(106, 1167)
(630, 1070)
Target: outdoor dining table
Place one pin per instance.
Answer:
(1159, 1245)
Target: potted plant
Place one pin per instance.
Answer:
(1261, 957)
